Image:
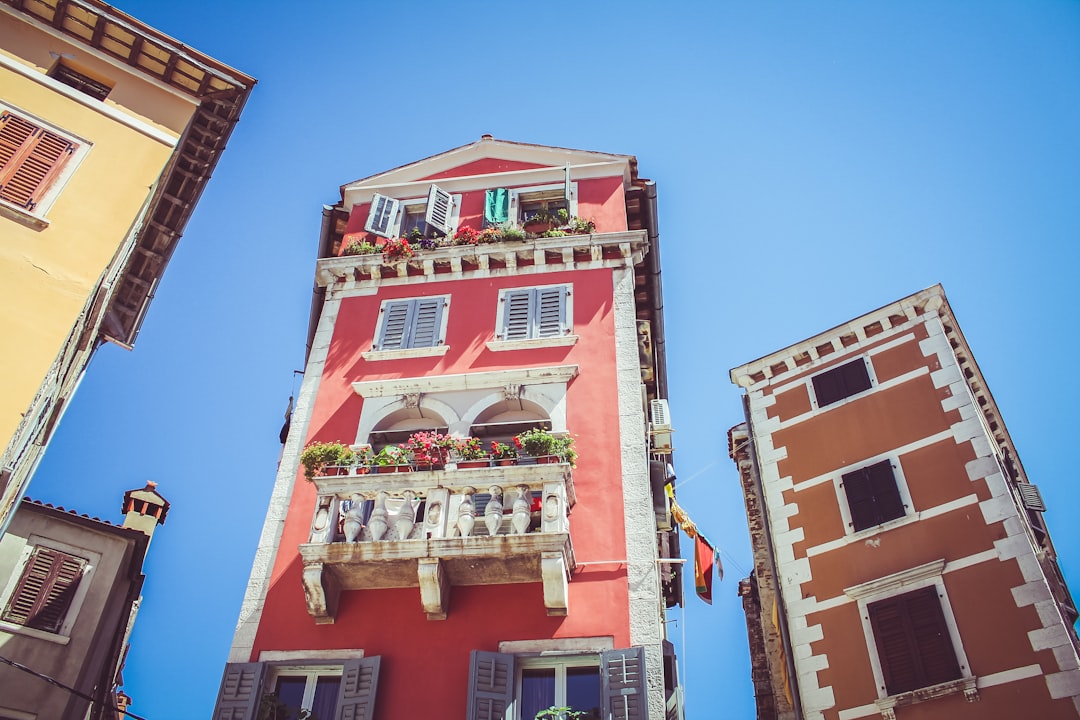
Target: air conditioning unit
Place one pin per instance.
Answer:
(660, 430)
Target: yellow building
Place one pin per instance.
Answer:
(109, 131)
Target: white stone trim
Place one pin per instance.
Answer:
(465, 381)
(532, 343)
(301, 656)
(897, 582)
(405, 353)
(574, 645)
(646, 628)
(265, 554)
(874, 387)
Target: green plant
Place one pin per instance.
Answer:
(397, 249)
(536, 442)
(318, 455)
(562, 216)
(554, 233)
(470, 449)
(490, 235)
(270, 708)
(560, 713)
(511, 233)
(581, 226)
(360, 247)
(502, 451)
(391, 455)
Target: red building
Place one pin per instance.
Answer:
(527, 300)
(902, 568)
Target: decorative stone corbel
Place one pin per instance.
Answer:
(512, 392)
(556, 578)
(434, 588)
(321, 590)
(412, 400)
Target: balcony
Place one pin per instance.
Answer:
(435, 529)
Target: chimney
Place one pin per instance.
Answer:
(145, 509)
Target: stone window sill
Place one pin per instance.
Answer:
(406, 353)
(560, 341)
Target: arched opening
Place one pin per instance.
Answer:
(506, 418)
(397, 426)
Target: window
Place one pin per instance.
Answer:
(873, 495)
(841, 382)
(83, 83)
(31, 160)
(913, 642)
(525, 204)
(530, 313)
(394, 218)
(251, 691)
(606, 684)
(45, 590)
(415, 323)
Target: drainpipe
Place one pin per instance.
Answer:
(652, 265)
(781, 613)
(318, 294)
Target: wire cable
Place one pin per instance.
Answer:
(62, 686)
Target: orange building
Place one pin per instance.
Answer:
(495, 292)
(902, 568)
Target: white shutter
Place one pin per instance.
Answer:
(550, 312)
(382, 219)
(359, 681)
(440, 206)
(395, 326)
(427, 322)
(516, 314)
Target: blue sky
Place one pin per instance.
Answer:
(814, 161)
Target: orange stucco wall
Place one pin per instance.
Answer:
(391, 623)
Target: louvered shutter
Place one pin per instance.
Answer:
(395, 325)
(841, 382)
(427, 322)
(30, 159)
(440, 205)
(860, 499)
(491, 685)
(359, 681)
(913, 641)
(887, 502)
(45, 590)
(550, 320)
(517, 314)
(1031, 497)
(241, 686)
(623, 675)
(382, 218)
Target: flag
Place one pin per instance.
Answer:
(704, 559)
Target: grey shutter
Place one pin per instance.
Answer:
(395, 325)
(516, 314)
(440, 205)
(623, 675)
(383, 215)
(359, 681)
(1031, 497)
(426, 323)
(241, 685)
(550, 312)
(491, 685)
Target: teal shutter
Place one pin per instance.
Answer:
(623, 676)
(359, 681)
(496, 206)
(241, 686)
(491, 685)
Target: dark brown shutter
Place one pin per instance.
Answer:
(873, 495)
(30, 159)
(913, 641)
(45, 590)
(841, 382)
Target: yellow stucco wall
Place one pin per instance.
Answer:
(47, 274)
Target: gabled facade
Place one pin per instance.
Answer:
(109, 131)
(902, 568)
(69, 591)
(451, 590)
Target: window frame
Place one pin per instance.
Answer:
(812, 388)
(902, 491)
(516, 199)
(311, 674)
(413, 306)
(62, 634)
(243, 685)
(903, 583)
(565, 335)
(561, 663)
(48, 189)
(395, 211)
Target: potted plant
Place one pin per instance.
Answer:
(466, 235)
(361, 460)
(581, 226)
(503, 454)
(392, 458)
(546, 447)
(471, 453)
(397, 250)
(560, 713)
(318, 456)
(430, 450)
(360, 247)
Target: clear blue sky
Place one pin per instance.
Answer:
(814, 161)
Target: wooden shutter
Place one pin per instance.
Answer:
(395, 325)
(516, 314)
(359, 681)
(45, 590)
(1031, 497)
(30, 159)
(873, 495)
(550, 312)
(382, 218)
(241, 689)
(440, 205)
(491, 685)
(623, 675)
(426, 323)
(913, 641)
(841, 382)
